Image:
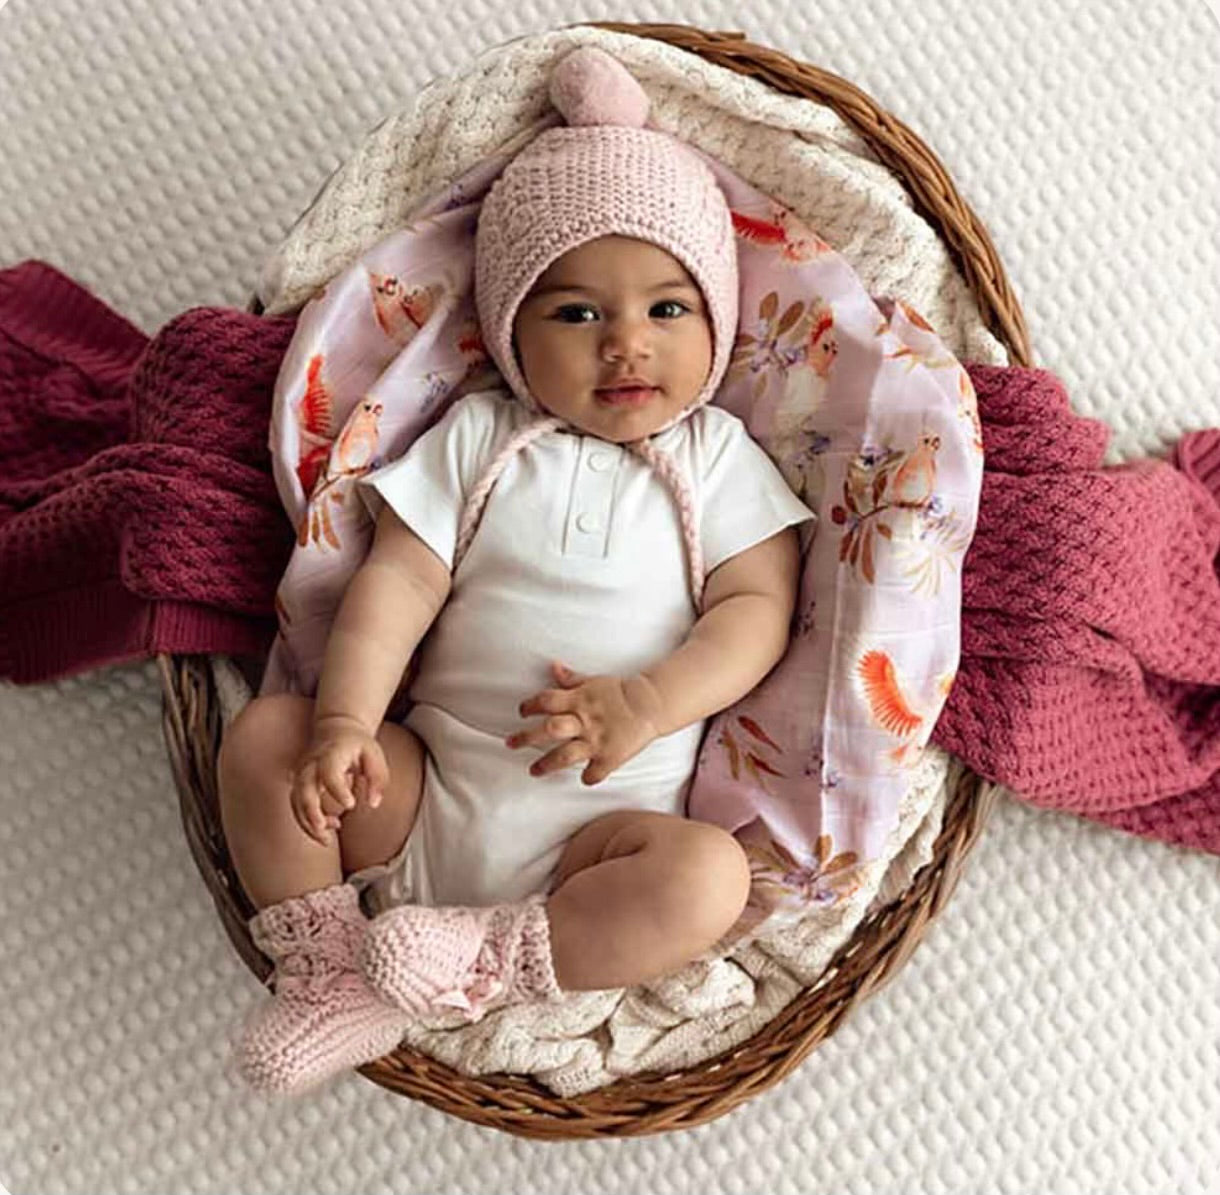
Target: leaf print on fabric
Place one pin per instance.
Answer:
(401, 310)
(730, 745)
(757, 731)
(880, 481)
(792, 357)
(865, 482)
(802, 337)
(913, 357)
(806, 618)
(780, 881)
(939, 547)
(742, 755)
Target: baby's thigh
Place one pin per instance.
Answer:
(670, 839)
(262, 748)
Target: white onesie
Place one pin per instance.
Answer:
(578, 557)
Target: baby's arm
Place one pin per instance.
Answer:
(742, 634)
(388, 606)
(739, 638)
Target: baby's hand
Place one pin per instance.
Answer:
(604, 720)
(321, 789)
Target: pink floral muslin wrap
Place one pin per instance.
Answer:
(871, 420)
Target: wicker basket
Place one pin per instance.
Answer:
(882, 943)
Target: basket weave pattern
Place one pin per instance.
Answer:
(882, 943)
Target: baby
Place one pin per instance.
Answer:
(600, 562)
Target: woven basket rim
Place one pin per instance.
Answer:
(645, 1104)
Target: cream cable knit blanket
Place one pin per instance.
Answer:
(805, 156)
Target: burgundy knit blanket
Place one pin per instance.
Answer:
(138, 515)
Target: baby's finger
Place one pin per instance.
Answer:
(330, 807)
(596, 772)
(565, 675)
(312, 820)
(333, 778)
(556, 728)
(375, 773)
(297, 801)
(572, 752)
(549, 701)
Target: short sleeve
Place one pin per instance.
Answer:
(426, 487)
(744, 497)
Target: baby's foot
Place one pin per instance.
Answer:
(324, 1017)
(305, 1036)
(471, 959)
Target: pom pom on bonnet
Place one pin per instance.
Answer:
(601, 174)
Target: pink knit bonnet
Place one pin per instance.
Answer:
(602, 174)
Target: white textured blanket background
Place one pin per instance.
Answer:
(1059, 1028)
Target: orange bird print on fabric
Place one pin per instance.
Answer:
(823, 346)
(470, 342)
(357, 445)
(796, 241)
(913, 482)
(889, 705)
(885, 699)
(314, 423)
(351, 456)
(968, 409)
(402, 310)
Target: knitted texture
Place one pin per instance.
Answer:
(137, 508)
(324, 1018)
(1090, 670)
(469, 959)
(1088, 630)
(572, 185)
(801, 153)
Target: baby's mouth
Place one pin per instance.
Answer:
(626, 396)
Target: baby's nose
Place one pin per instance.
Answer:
(627, 340)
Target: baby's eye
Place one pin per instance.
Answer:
(672, 306)
(571, 313)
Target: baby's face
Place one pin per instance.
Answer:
(610, 310)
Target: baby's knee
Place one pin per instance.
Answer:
(260, 739)
(709, 878)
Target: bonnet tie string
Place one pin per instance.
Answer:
(661, 463)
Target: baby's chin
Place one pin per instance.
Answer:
(618, 426)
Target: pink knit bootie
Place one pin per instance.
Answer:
(324, 1017)
(425, 959)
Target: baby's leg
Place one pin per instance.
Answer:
(637, 895)
(273, 856)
